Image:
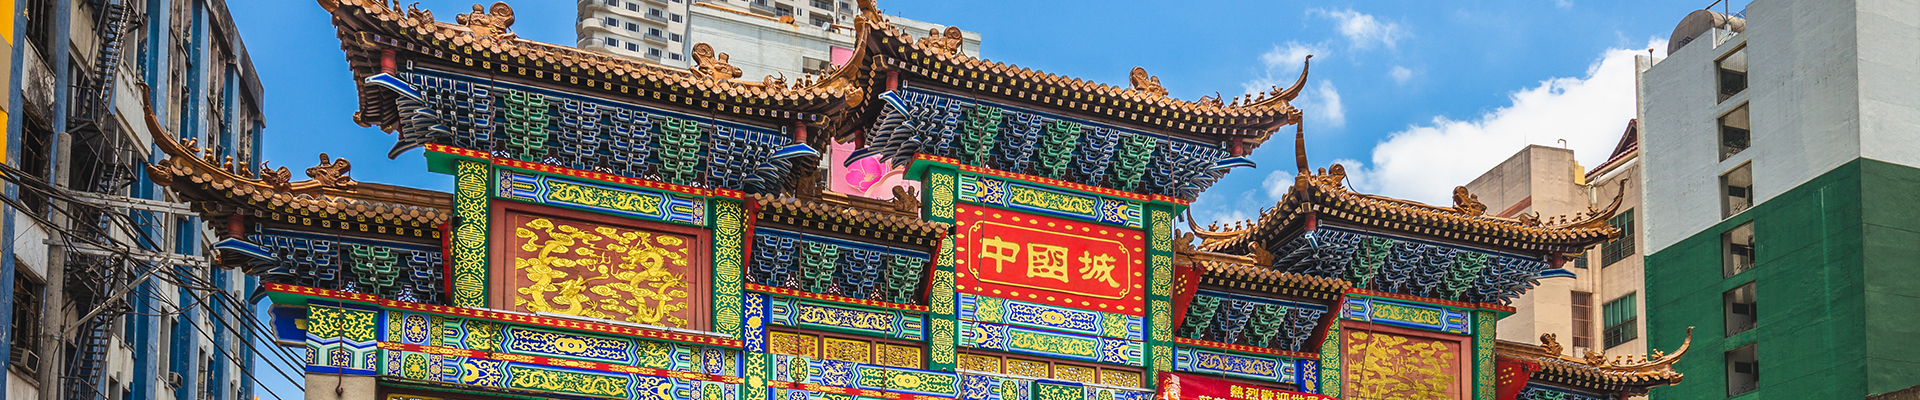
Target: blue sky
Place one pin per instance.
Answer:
(1414, 97)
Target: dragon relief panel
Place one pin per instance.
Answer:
(1388, 365)
(595, 270)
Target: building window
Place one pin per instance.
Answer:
(1733, 73)
(1580, 260)
(26, 320)
(1743, 371)
(1622, 321)
(673, 17)
(632, 47)
(1618, 249)
(653, 52)
(653, 31)
(673, 56)
(821, 21)
(612, 22)
(1582, 320)
(633, 7)
(673, 36)
(1737, 250)
(615, 3)
(615, 43)
(655, 12)
(822, 4)
(1736, 190)
(1736, 132)
(631, 27)
(1738, 304)
(1047, 369)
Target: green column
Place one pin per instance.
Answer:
(1160, 282)
(1330, 353)
(471, 185)
(1483, 331)
(943, 334)
(729, 218)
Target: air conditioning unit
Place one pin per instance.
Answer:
(173, 380)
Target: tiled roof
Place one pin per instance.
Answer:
(1323, 194)
(1144, 101)
(852, 215)
(195, 175)
(1628, 375)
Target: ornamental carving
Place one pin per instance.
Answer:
(496, 22)
(592, 270)
(1467, 203)
(331, 173)
(1146, 83)
(712, 65)
(948, 41)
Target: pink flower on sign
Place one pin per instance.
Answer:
(864, 173)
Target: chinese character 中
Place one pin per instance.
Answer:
(1000, 251)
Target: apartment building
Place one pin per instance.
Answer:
(1780, 160)
(761, 37)
(112, 296)
(1597, 310)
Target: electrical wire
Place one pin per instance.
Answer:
(116, 248)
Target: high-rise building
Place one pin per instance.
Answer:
(1597, 310)
(1781, 162)
(761, 37)
(111, 292)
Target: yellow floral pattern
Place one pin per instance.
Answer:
(602, 272)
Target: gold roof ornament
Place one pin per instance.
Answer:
(711, 64)
(948, 41)
(332, 173)
(1146, 83)
(1467, 203)
(1629, 375)
(496, 23)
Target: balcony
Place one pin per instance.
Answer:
(762, 6)
(654, 38)
(657, 17)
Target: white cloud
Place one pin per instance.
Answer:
(1563, 3)
(1282, 67)
(1424, 162)
(1322, 105)
(1400, 74)
(1363, 31)
(1277, 183)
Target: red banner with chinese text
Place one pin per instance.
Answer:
(1176, 386)
(1512, 376)
(1052, 261)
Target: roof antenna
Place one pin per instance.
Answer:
(1563, 143)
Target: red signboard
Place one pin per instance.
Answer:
(1513, 376)
(1052, 261)
(1175, 386)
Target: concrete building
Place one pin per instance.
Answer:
(761, 37)
(1595, 310)
(1780, 160)
(111, 296)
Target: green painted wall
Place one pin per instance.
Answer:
(1837, 266)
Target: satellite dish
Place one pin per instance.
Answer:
(1698, 23)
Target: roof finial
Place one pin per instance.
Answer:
(1294, 91)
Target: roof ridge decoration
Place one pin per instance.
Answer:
(1327, 186)
(1636, 373)
(1143, 100)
